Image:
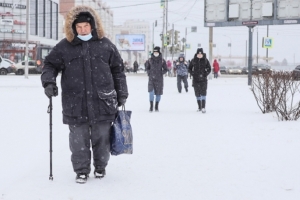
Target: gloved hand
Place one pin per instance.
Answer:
(51, 90)
(121, 101)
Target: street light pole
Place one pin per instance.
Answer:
(230, 46)
(27, 30)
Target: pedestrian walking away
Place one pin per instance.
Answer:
(156, 67)
(200, 69)
(216, 68)
(93, 85)
(135, 66)
(182, 73)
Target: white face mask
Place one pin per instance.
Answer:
(156, 54)
(85, 37)
(199, 55)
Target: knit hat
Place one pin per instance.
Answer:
(156, 49)
(83, 17)
(199, 50)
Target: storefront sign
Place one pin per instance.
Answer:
(3, 30)
(22, 45)
(16, 22)
(8, 22)
(13, 5)
(18, 31)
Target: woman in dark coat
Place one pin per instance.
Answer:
(199, 68)
(156, 67)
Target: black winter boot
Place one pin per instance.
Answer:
(199, 105)
(203, 106)
(151, 106)
(156, 106)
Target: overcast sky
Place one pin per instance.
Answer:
(187, 13)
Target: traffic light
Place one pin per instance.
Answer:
(169, 37)
(176, 37)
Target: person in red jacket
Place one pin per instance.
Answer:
(216, 68)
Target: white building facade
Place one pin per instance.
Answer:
(44, 27)
(135, 27)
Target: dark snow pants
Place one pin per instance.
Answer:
(184, 80)
(81, 137)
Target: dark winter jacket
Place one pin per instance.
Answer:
(156, 67)
(135, 66)
(199, 68)
(92, 73)
(181, 67)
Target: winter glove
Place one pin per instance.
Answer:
(51, 90)
(121, 101)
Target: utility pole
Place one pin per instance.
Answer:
(210, 47)
(26, 50)
(153, 37)
(246, 58)
(173, 32)
(267, 56)
(250, 55)
(185, 41)
(257, 48)
(163, 29)
(166, 54)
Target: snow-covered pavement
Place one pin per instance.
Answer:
(233, 152)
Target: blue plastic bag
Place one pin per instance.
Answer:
(121, 134)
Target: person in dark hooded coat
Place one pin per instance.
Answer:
(200, 68)
(93, 85)
(135, 66)
(182, 73)
(156, 67)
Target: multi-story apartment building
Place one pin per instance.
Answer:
(104, 11)
(44, 27)
(135, 27)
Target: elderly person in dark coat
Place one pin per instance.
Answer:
(156, 67)
(200, 68)
(93, 85)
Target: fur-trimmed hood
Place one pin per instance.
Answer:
(71, 16)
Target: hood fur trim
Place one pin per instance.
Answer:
(71, 16)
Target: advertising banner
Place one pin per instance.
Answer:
(130, 42)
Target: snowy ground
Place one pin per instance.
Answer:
(233, 152)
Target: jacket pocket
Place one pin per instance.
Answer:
(108, 102)
(72, 103)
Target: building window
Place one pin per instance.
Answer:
(48, 21)
(33, 17)
(54, 21)
(41, 18)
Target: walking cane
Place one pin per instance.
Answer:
(50, 112)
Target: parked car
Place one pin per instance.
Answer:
(12, 67)
(296, 73)
(261, 68)
(223, 70)
(245, 70)
(32, 67)
(234, 70)
(6, 66)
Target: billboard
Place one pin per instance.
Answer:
(222, 13)
(133, 42)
